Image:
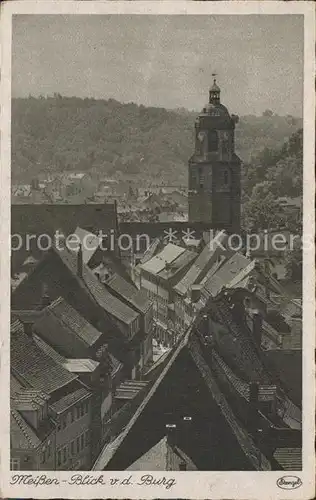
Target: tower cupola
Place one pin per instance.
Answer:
(214, 94)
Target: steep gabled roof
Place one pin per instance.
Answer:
(226, 273)
(89, 241)
(188, 343)
(169, 261)
(289, 458)
(205, 259)
(97, 290)
(75, 365)
(34, 366)
(137, 299)
(60, 315)
(163, 457)
(110, 449)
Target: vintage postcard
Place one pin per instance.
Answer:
(157, 261)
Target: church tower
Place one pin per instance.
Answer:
(214, 168)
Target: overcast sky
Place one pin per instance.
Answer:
(163, 61)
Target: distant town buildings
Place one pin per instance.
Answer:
(134, 202)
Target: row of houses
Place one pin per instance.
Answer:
(180, 280)
(81, 341)
(231, 379)
(85, 392)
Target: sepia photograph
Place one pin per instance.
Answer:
(158, 183)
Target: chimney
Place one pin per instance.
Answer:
(45, 300)
(195, 293)
(171, 431)
(257, 327)
(80, 261)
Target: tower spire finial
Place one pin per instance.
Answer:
(214, 95)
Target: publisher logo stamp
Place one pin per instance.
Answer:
(289, 482)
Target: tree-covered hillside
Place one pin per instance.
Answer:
(270, 175)
(58, 133)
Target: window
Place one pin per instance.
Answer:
(78, 444)
(82, 441)
(201, 177)
(213, 141)
(65, 454)
(225, 147)
(72, 448)
(42, 457)
(14, 464)
(72, 415)
(49, 450)
(59, 457)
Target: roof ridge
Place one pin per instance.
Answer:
(69, 326)
(55, 302)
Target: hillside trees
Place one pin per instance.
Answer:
(57, 133)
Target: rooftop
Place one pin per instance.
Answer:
(29, 399)
(75, 365)
(89, 243)
(189, 344)
(81, 365)
(200, 264)
(22, 436)
(136, 298)
(70, 399)
(59, 314)
(34, 366)
(226, 273)
(97, 290)
(129, 389)
(169, 261)
(163, 457)
(289, 458)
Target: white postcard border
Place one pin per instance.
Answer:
(194, 485)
